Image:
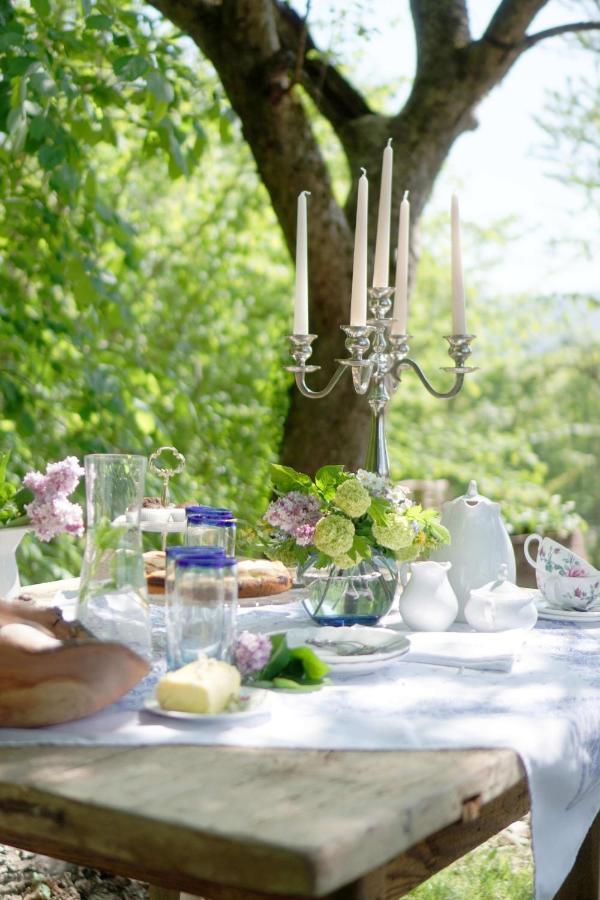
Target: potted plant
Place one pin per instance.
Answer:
(536, 510)
(345, 532)
(39, 504)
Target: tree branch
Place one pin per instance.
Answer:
(569, 28)
(335, 97)
(510, 22)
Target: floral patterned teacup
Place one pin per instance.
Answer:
(554, 560)
(572, 592)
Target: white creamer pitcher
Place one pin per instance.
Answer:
(427, 603)
(479, 544)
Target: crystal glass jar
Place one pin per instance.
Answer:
(112, 601)
(361, 595)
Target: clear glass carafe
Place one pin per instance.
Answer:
(113, 601)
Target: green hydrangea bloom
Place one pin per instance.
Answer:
(396, 534)
(334, 535)
(408, 554)
(346, 562)
(352, 498)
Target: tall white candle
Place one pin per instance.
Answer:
(301, 299)
(400, 314)
(459, 325)
(358, 303)
(381, 270)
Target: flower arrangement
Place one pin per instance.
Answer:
(42, 501)
(341, 518)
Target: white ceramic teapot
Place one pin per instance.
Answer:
(428, 603)
(479, 544)
(501, 605)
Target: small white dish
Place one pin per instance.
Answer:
(255, 702)
(162, 525)
(342, 664)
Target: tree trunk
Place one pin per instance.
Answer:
(260, 51)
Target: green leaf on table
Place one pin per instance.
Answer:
(293, 669)
(280, 657)
(288, 684)
(314, 667)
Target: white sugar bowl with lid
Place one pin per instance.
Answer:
(501, 605)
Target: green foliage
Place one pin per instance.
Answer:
(131, 315)
(489, 873)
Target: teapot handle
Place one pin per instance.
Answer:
(528, 556)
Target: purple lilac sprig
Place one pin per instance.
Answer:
(251, 652)
(295, 514)
(50, 511)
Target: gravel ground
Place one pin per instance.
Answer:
(26, 876)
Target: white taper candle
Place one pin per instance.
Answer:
(400, 313)
(301, 298)
(381, 270)
(358, 303)
(459, 325)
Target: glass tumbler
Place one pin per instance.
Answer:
(196, 610)
(230, 607)
(112, 601)
(210, 530)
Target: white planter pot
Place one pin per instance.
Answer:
(10, 538)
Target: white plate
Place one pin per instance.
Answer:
(257, 702)
(568, 615)
(376, 637)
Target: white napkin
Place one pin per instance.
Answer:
(470, 650)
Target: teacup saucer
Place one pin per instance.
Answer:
(568, 615)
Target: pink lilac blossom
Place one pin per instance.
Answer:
(55, 516)
(251, 652)
(50, 511)
(304, 535)
(292, 511)
(60, 478)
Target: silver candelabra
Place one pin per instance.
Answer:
(377, 358)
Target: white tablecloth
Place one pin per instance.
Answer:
(547, 709)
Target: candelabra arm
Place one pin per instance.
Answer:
(459, 378)
(317, 395)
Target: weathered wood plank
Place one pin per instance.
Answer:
(284, 822)
(158, 893)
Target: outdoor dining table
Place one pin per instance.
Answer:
(242, 823)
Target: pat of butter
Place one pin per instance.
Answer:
(205, 686)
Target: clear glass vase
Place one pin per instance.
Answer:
(113, 601)
(361, 595)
